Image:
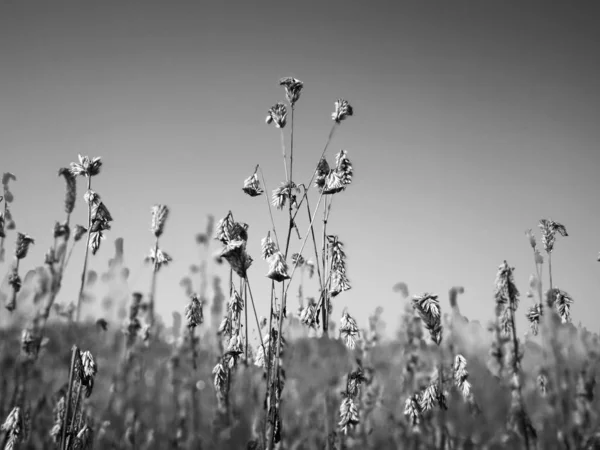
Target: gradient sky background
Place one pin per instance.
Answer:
(473, 120)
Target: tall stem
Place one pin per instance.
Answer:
(153, 284)
(284, 155)
(333, 127)
(515, 367)
(87, 251)
(550, 272)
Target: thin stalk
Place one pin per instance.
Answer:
(312, 230)
(74, 356)
(516, 370)
(153, 283)
(550, 270)
(246, 317)
(269, 205)
(283, 306)
(324, 310)
(269, 368)
(87, 251)
(77, 400)
(333, 127)
(284, 155)
(291, 143)
(2, 238)
(255, 315)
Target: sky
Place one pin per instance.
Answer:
(473, 120)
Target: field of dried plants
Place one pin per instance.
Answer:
(127, 380)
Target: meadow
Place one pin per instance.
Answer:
(128, 378)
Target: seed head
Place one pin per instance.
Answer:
(193, 312)
(292, 89)
(549, 229)
(23, 243)
(278, 115)
(71, 193)
(343, 109)
(86, 167)
(277, 267)
(159, 217)
(252, 186)
(349, 330)
(268, 247)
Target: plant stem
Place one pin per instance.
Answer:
(269, 205)
(515, 367)
(284, 155)
(74, 356)
(153, 284)
(87, 250)
(333, 127)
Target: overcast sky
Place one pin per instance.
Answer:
(473, 120)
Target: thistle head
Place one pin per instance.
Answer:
(278, 115)
(159, 217)
(87, 167)
(343, 109)
(292, 89)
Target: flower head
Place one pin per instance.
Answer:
(159, 217)
(292, 88)
(277, 267)
(23, 243)
(343, 109)
(193, 312)
(549, 229)
(71, 193)
(86, 167)
(252, 186)
(278, 115)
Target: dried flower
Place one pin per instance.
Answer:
(86, 167)
(533, 315)
(193, 312)
(428, 307)
(71, 193)
(505, 291)
(158, 258)
(349, 331)
(292, 89)
(343, 109)
(23, 243)
(277, 267)
(286, 192)
(549, 229)
(267, 246)
(277, 114)
(460, 376)
(159, 217)
(252, 186)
